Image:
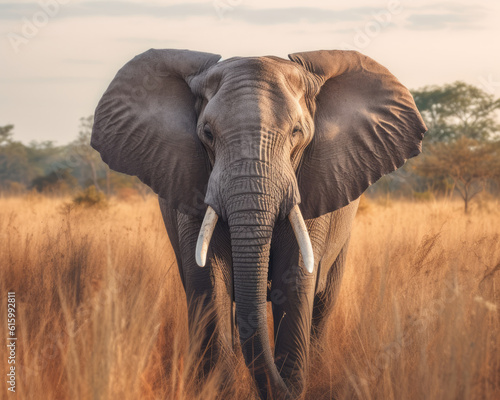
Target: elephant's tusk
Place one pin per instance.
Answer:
(207, 228)
(300, 230)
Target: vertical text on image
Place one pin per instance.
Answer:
(11, 341)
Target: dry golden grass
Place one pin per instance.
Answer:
(101, 311)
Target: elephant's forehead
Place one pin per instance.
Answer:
(257, 72)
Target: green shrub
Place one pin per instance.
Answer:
(91, 197)
(424, 196)
(59, 182)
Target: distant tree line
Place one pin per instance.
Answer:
(59, 170)
(461, 154)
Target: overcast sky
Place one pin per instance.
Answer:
(57, 61)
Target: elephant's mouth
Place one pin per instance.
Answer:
(296, 220)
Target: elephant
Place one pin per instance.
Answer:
(258, 164)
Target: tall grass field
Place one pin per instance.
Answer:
(101, 312)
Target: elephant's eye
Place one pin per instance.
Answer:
(296, 130)
(208, 133)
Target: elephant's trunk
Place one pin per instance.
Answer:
(251, 233)
(251, 195)
(251, 219)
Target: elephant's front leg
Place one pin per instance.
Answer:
(208, 292)
(292, 297)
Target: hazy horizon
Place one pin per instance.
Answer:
(60, 55)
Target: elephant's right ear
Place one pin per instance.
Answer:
(145, 125)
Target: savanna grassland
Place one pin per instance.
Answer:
(101, 312)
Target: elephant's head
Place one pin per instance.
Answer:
(256, 138)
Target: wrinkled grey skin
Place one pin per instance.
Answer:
(253, 137)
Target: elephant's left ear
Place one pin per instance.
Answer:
(366, 125)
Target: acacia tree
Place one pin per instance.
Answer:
(458, 109)
(468, 163)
